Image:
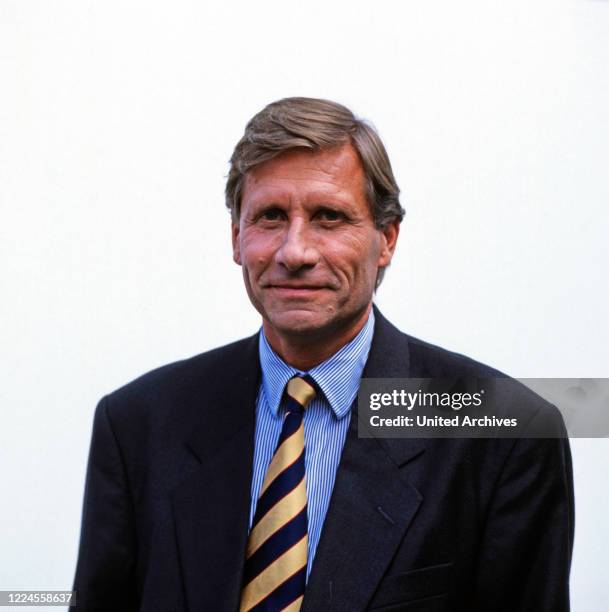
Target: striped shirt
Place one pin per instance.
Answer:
(326, 421)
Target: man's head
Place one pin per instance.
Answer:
(315, 212)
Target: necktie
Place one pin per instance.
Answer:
(276, 556)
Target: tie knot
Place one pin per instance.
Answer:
(301, 390)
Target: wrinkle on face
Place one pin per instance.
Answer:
(306, 222)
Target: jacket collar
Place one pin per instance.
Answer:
(338, 376)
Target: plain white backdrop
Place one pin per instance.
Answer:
(117, 120)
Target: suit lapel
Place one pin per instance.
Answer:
(372, 504)
(211, 506)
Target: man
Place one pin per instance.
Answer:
(236, 480)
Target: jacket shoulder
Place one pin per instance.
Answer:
(181, 384)
(426, 360)
(429, 360)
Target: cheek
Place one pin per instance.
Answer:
(355, 256)
(256, 251)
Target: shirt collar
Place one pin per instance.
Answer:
(338, 376)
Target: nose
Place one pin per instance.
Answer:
(298, 249)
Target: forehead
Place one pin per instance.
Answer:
(300, 171)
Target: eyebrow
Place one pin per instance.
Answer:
(318, 199)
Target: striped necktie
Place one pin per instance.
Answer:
(276, 556)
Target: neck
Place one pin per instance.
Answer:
(305, 351)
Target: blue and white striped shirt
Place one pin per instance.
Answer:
(326, 421)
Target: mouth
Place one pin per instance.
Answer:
(295, 291)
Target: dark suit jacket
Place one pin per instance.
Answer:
(413, 525)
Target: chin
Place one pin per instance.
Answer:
(299, 322)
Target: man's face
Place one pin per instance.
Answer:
(307, 242)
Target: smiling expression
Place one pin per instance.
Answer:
(307, 242)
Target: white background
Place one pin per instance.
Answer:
(117, 121)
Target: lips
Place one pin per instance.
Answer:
(297, 287)
(295, 291)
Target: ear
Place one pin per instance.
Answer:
(389, 238)
(236, 243)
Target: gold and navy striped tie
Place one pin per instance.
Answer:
(276, 557)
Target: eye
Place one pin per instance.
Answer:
(329, 215)
(271, 214)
